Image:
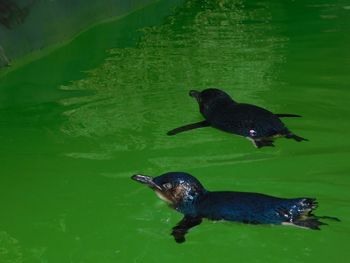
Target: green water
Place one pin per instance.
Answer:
(77, 123)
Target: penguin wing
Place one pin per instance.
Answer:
(188, 127)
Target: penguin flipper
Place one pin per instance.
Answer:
(287, 115)
(188, 127)
(181, 229)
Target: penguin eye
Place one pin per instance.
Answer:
(167, 185)
(252, 132)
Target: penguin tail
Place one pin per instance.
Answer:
(303, 214)
(306, 206)
(287, 115)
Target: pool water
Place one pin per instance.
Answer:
(77, 123)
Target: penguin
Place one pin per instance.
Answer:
(255, 123)
(184, 193)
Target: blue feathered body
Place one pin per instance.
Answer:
(251, 208)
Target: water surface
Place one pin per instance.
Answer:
(77, 123)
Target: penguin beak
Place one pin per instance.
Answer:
(147, 180)
(195, 94)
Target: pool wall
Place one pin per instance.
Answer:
(30, 25)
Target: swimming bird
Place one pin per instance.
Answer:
(255, 123)
(186, 194)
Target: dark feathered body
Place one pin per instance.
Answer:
(252, 208)
(186, 194)
(222, 112)
(243, 119)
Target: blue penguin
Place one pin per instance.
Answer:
(255, 123)
(186, 194)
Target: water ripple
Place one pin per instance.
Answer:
(139, 93)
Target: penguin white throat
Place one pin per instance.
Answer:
(163, 197)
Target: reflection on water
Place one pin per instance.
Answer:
(10, 250)
(141, 92)
(199, 161)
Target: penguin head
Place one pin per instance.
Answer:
(179, 189)
(209, 96)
